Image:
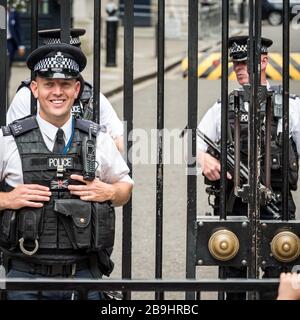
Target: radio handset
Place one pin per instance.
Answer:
(89, 157)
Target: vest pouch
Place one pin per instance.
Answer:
(76, 218)
(30, 223)
(8, 229)
(103, 216)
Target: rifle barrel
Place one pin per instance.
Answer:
(271, 206)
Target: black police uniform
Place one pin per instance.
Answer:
(66, 234)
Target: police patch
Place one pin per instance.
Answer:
(244, 118)
(59, 184)
(54, 162)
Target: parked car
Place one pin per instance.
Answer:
(272, 10)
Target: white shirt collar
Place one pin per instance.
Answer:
(50, 130)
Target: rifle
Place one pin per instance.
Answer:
(270, 199)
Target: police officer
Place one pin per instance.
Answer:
(20, 105)
(57, 219)
(211, 126)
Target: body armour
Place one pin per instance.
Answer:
(65, 228)
(235, 204)
(83, 105)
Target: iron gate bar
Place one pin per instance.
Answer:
(237, 141)
(257, 130)
(3, 57)
(65, 20)
(96, 60)
(286, 95)
(254, 131)
(128, 116)
(160, 140)
(192, 125)
(224, 121)
(269, 113)
(140, 284)
(33, 46)
(224, 108)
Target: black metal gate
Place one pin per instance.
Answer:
(250, 232)
(49, 18)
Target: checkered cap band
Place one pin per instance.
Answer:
(73, 40)
(58, 61)
(242, 48)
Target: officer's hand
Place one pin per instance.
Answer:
(95, 190)
(21, 51)
(210, 166)
(27, 195)
(289, 287)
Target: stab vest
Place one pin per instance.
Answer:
(276, 143)
(276, 152)
(65, 223)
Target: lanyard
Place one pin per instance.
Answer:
(67, 147)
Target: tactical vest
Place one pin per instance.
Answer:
(81, 107)
(276, 143)
(65, 224)
(276, 155)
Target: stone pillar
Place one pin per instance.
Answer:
(83, 17)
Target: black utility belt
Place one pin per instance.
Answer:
(48, 270)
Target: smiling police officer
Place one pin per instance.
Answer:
(83, 105)
(63, 176)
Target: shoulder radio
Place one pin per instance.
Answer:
(89, 157)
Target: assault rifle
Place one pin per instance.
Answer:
(269, 198)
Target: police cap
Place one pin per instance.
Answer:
(238, 47)
(58, 61)
(52, 36)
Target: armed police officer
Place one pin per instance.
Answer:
(83, 105)
(210, 125)
(63, 176)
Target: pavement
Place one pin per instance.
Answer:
(145, 61)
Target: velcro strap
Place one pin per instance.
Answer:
(32, 164)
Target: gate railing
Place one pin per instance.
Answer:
(193, 232)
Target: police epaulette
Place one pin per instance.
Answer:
(24, 83)
(23, 125)
(85, 125)
(6, 131)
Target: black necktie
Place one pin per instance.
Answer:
(59, 144)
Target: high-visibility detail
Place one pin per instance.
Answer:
(210, 66)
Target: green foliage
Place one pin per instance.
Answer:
(17, 4)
